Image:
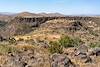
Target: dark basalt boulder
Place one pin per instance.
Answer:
(77, 25)
(95, 51)
(82, 54)
(60, 60)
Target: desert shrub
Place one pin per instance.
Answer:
(55, 47)
(67, 41)
(5, 49)
(64, 41)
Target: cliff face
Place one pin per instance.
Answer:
(39, 20)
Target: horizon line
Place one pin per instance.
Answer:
(48, 13)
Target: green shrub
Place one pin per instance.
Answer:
(64, 41)
(55, 47)
(67, 41)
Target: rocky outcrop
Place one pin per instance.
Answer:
(39, 20)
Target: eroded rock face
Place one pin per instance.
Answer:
(59, 60)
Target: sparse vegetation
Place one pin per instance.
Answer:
(33, 43)
(25, 47)
(23, 29)
(94, 45)
(64, 41)
(55, 47)
(77, 42)
(5, 49)
(67, 41)
(93, 33)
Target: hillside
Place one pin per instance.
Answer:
(57, 42)
(53, 30)
(87, 31)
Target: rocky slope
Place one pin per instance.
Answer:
(44, 46)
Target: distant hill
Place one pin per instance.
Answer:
(51, 14)
(27, 14)
(7, 16)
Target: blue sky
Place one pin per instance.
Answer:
(68, 7)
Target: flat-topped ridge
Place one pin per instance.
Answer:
(39, 20)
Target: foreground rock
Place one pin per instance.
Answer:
(27, 58)
(59, 60)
